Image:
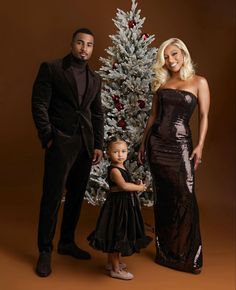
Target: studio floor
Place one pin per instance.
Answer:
(18, 252)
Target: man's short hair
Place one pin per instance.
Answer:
(82, 30)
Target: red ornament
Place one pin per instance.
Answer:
(115, 64)
(119, 106)
(141, 104)
(145, 36)
(122, 124)
(115, 99)
(131, 23)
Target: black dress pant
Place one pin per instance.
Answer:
(67, 168)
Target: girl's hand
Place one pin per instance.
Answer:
(197, 155)
(141, 154)
(143, 186)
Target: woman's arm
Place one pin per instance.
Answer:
(118, 179)
(152, 117)
(204, 105)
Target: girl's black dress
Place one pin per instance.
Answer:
(120, 226)
(178, 239)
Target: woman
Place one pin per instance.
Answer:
(172, 159)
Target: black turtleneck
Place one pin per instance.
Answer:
(79, 68)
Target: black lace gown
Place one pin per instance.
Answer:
(178, 239)
(120, 226)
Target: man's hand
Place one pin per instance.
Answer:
(49, 143)
(97, 156)
(141, 154)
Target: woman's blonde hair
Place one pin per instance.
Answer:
(161, 72)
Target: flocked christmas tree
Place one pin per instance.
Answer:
(126, 95)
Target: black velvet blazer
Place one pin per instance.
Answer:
(56, 107)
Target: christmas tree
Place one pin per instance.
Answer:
(126, 95)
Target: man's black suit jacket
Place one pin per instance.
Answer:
(56, 106)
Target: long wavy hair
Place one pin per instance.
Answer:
(162, 74)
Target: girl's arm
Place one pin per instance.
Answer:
(152, 117)
(204, 104)
(116, 177)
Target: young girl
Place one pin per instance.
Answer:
(120, 228)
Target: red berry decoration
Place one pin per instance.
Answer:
(119, 106)
(131, 23)
(115, 99)
(115, 64)
(121, 124)
(141, 104)
(145, 36)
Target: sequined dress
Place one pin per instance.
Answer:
(169, 147)
(120, 226)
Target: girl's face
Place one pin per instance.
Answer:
(174, 58)
(118, 152)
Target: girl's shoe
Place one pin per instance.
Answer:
(108, 267)
(121, 275)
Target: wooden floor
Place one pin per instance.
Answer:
(18, 252)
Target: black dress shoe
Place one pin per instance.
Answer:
(43, 267)
(74, 251)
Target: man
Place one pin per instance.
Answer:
(68, 114)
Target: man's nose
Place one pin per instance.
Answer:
(84, 47)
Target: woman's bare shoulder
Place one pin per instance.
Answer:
(199, 80)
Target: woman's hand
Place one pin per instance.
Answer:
(141, 154)
(197, 156)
